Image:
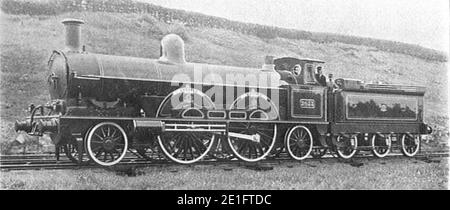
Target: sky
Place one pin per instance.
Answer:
(422, 22)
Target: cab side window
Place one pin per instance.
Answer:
(308, 75)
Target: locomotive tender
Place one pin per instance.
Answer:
(103, 106)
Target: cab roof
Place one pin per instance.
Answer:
(311, 60)
(292, 59)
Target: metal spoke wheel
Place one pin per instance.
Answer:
(299, 142)
(107, 143)
(252, 150)
(381, 145)
(185, 147)
(410, 144)
(318, 152)
(346, 146)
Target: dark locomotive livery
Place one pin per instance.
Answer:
(103, 106)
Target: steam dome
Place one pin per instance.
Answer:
(172, 49)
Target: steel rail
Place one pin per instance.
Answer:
(139, 162)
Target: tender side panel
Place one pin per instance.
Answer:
(368, 112)
(359, 106)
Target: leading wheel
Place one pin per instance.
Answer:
(186, 147)
(410, 144)
(346, 146)
(107, 143)
(381, 145)
(252, 150)
(299, 142)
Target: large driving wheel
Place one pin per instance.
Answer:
(107, 143)
(299, 142)
(410, 144)
(381, 145)
(252, 150)
(346, 146)
(186, 147)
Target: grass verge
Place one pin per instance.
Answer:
(374, 174)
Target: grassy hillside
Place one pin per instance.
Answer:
(26, 43)
(192, 19)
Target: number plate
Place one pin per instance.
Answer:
(307, 104)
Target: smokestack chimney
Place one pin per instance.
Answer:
(73, 34)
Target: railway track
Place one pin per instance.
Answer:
(48, 162)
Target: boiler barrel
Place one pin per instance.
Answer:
(122, 67)
(152, 71)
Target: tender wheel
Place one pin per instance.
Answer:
(251, 150)
(318, 152)
(107, 143)
(299, 142)
(410, 144)
(381, 145)
(346, 146)
(185, 147)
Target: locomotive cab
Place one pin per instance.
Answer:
(304, 75)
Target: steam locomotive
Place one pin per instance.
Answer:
(103, 106)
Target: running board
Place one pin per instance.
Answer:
(195, 127)
(185, 127)
(162, 126)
